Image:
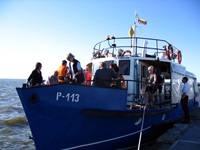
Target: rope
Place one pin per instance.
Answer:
(141, 128)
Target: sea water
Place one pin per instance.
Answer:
(14, 127)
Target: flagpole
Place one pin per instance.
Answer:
(134, 51)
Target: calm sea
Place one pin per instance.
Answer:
(14, 128)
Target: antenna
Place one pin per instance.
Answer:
(136, 14)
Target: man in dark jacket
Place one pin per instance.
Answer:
(35, 77)
(75, 69)
(103, 76)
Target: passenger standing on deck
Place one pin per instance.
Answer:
(35, 77)
(53, 79)
(150, 87)
(159, 84)
(119, 82)
(88, 76)
(62, 72)
(103, 76)
(184, 99)
(77, 74)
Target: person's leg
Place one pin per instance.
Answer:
(146, 98)
(153, 93)
(184, 104)
(153, 100)
(187, 115)
(160, 96)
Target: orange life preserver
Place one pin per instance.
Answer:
(179, 57)
(126, 51)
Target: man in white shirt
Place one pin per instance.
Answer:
(184, 99)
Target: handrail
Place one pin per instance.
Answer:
(113, 43)
(137, 96)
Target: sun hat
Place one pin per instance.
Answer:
(70, 55)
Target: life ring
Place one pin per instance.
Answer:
(179, 57)
(126, 51)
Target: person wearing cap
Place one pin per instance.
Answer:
(62, 72)
(77, 74)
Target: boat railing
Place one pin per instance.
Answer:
(137, 94)
(137, 46)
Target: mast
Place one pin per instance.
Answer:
(134, 42)
(133, 33)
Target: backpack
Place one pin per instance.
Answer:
(159, 77)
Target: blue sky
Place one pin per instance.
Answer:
(46, 30)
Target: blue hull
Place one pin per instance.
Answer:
(81, 117)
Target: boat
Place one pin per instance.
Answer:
(71, 116)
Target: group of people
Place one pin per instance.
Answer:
(153, 85)
(105, 77)
(72, 73)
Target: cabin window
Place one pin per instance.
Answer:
(124, 67)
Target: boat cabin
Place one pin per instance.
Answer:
(133, 57)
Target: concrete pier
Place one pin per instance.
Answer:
(181, 136)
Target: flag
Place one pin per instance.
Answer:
(142, 21)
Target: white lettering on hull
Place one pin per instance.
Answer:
(69, 97)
